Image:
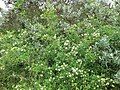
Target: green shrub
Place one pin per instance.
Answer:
(59, 52)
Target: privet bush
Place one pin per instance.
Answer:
(60, 47)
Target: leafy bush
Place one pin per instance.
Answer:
(61, 47)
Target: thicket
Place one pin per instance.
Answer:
(60, 46)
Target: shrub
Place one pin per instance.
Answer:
(58, 51)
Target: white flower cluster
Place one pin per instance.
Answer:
(67, 44)
(75, 70)
(74, 50)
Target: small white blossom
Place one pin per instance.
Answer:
(66, 42)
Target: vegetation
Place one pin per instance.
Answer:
(60, 46)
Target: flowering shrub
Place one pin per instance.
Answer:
(61, 47)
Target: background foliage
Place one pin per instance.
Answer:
(60, 46)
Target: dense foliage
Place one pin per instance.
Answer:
(60, 46)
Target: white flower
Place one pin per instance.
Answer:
(73, 69)
(95, 34)
(66, 42)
